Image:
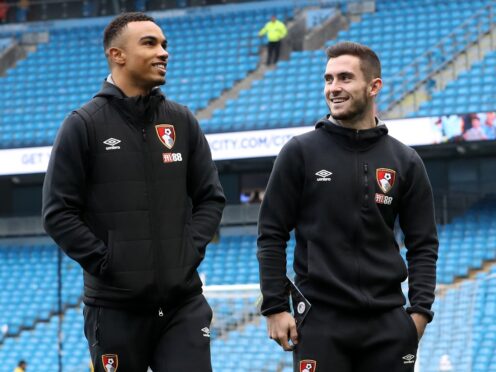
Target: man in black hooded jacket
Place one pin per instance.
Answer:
(341, 188)
(132, 194)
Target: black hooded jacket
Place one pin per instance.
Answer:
(132, 194)
(341, 190)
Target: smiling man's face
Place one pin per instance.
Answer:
(347, 89)
(144, 54)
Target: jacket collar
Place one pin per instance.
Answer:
(139, 110)
(352, 138)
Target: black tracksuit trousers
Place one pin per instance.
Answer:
(339, 341)
(124, 341)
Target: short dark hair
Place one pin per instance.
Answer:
(369, 62)
(21, 363)
(115, 27)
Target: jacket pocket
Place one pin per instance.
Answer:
(413, 327)
(92, 317)
(191, 254)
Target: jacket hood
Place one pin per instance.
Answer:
(352, 138)
(138, 110)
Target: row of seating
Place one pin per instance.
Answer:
(208, 57)
(472, 91)
(302, 74)
(465, 244)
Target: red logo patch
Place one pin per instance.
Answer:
(110, 362)
(385, 178)
(308, 365)
(166, 134)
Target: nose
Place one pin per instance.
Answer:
(335, 87)
(163, 53)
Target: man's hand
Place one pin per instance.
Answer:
(282, 327)
(420, 321)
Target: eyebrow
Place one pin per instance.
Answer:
(151, 37)
(340, 74)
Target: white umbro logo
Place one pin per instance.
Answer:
(112, 142)
(408, 359)
(323, 175)
(206, 332)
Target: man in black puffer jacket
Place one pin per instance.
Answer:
(341, 187)
(132, 194)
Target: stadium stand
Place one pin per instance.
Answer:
(29, 302)
(208, 54)
(292, 94)
(233, 261)
(63, 73)
(5, 42)
(464, 328)
(472, 91)
(29, 278)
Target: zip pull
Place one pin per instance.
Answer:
(160, 312)
(143, 132)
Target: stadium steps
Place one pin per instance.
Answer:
(486, 268)
(11, 54)
(294, 27)
(441, 70)
(38, 321)
(459, 281)
(231, 94)
(328, 29)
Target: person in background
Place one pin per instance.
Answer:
(21, 366)
(275, 31)
(4, 8)
(22, 11)
(476, 132)
(489, 125)
(452, 126)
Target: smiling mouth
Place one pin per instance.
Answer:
(338, 100)
(162, 67)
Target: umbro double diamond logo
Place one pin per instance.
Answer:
(112, 144)
(408, 359)
(323, 175)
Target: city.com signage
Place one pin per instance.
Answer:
(234, 145)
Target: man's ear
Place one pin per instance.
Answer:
(116, 55)
(375, 87)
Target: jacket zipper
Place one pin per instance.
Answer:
(358, 234)
(148, 163)
(365, 185)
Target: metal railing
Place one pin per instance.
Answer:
(439, 57)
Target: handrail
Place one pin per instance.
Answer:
(434, 59)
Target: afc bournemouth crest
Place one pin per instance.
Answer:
(308, 365)
(385, 179)
(110, 362)
(166, 134)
